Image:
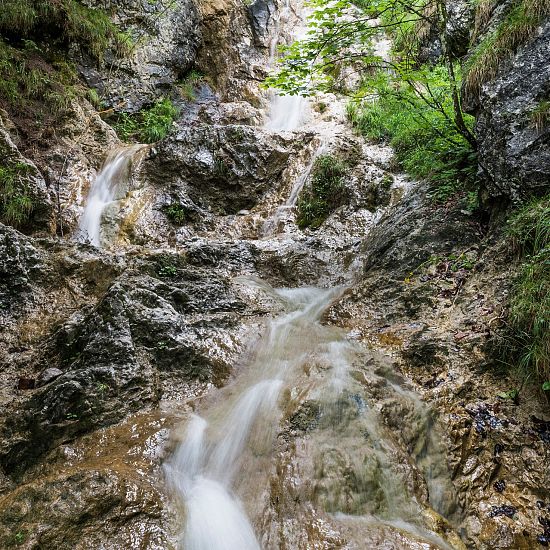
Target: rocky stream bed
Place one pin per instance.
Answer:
(233, 381)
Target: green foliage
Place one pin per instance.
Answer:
(18, 538)
(168, 265)
(518, 26)
(540, 115)
(323, 194)
(64, 21)
(25, 80)
(16, 203)
(93, 98)
(341, 37)
(414, 108)
(189, 84)
(426, 142)
(529, 316)
(175, 212)
(149, 125)
(512, 394)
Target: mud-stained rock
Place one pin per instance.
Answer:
(234, 52)
(436, 284)
(100, 491)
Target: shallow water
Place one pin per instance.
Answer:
(308, 376)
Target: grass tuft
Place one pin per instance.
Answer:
(189, 84)
(62, 21)
(16, 204)
(528, 344)
(540, 115)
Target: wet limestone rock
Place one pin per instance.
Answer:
(163, 42)
(432, 295)
(159, 327)
(514, 149)
(223, 169)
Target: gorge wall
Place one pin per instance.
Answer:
(104, 351)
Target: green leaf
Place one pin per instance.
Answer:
(510, 394)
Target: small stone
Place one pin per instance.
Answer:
(499, 485)
(47, 376)
(504, 510)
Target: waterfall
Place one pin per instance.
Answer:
(287, 112)
(203, 468)
(224, 448)
(310, 374)
(114, 174)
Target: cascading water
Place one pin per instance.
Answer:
(103, 191)
(342, 481)
(229, 449)
(286, 112)
(205, 464)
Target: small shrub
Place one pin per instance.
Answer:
(149, 125)
(16, 204)
(323, 194)
(93, 98)
(175, 212)
(529, 316)
(427, 144)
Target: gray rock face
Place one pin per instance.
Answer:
(224, 169)
(460, 17)
(160, 326)
(261, 14)
(20, 263)
(164, 43)
(30, 182)
(47, 376)
(512, 149)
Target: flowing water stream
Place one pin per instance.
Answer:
(316, 442)
(108, 183)
(330, 391)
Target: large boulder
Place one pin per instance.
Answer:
(514, 149)
(163, 42)
(224, 169)
(160, 326)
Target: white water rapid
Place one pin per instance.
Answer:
(111, 178)
(210, 456)
(228, 447)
